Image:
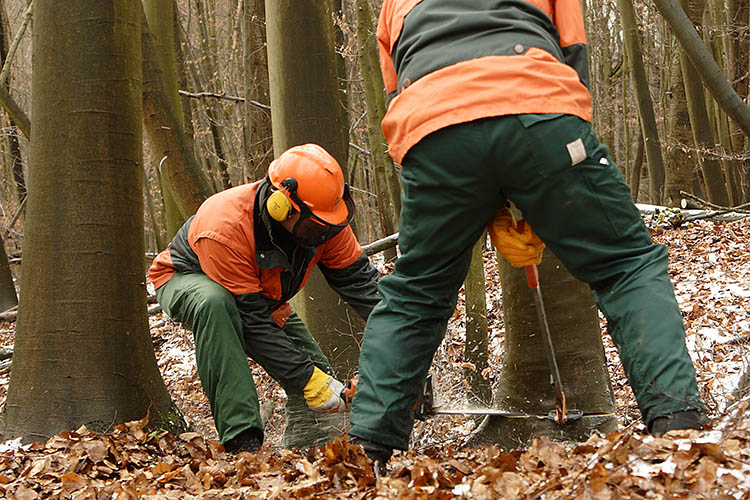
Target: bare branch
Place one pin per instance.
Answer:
(201, 95)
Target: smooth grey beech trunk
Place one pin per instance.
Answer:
(306, 107)
(83, 353)
(525, 376)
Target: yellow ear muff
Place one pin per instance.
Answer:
(279, 207)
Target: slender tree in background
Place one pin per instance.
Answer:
(159, 18)
(372, 82)
(703, 137)
(739, 62)
(680, 163)
(181, 175)
(258, 142)
(525, 376)
(683, 26)
(305, 107)
(631, 38)
(83, 352)
(8, 295)
(12, 133)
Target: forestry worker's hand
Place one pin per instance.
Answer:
(323, 393)
(518, 244)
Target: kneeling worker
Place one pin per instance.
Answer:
(230, 271)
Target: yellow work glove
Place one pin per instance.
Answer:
(520, 248)
(323, 393)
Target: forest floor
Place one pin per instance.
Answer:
(710, 266)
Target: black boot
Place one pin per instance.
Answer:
(686, 419)
(378, 453)
(248, 440)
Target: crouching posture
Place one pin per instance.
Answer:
(229, 273)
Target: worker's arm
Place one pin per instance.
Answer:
(568, 19)
(348, 271)
(263, 339)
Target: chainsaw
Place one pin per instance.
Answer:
(425, 405)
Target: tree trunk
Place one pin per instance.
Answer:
(476, 349)
(15, 149)
(208, 47)
(635, 180)
(83, 353)
(703, 137)
(680, 162)
(706, 67)
(643, 99)
(181, 174)
(8, 296)
(739, 19)
(305, 107)
(372, 82)
(525, 378)
(257, 124)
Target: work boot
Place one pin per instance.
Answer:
(378, 453)
(686, 419)
(248, 440)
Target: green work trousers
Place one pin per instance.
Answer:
(221, 351)
(453, 181)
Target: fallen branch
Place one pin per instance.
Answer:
(739, 208)
(381, 244)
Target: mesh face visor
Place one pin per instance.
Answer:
(312, 231)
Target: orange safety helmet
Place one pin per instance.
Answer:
(319, 184)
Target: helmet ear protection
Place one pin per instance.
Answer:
(278, 204)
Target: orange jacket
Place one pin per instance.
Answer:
(228, 241)
(452, 61)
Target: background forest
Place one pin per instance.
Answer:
(215, 54)
(219, 89)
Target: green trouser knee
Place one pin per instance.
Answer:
(453, 181)
(220, 352)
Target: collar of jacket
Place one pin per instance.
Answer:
(268, 251)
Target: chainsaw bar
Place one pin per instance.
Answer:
(570, 415)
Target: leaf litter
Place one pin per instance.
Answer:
(710, 266)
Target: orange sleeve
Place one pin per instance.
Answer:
(568, 19)
(341, 251)
(226, 267)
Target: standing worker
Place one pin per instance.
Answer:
(488, 102)
(229, 273)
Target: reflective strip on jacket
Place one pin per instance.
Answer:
(227, 240)
(452, 61)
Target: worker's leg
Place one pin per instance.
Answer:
(210, 310)
(586, 216)
(304, 427)
(448, 195)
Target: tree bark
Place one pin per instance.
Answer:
(703, 137)
(704, 63)
(372, 82)
(83, 353)
(305, 107)
(257, 125)
(525, 378)
(181, 174)
(476, 349)
(643, 99)
(680, 163)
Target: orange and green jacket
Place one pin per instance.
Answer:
(452, 61)
(236, 244)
